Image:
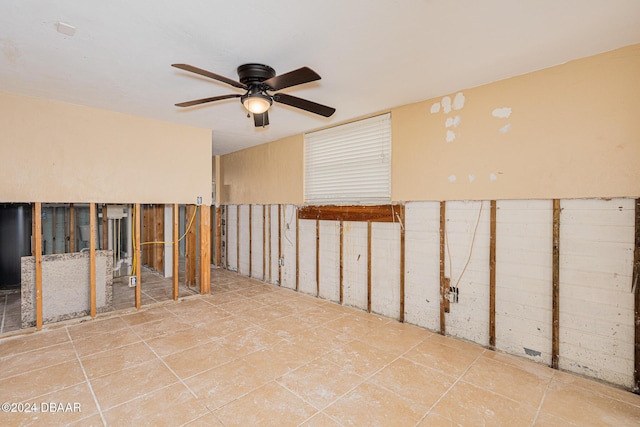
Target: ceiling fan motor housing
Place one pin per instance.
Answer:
(251, 74)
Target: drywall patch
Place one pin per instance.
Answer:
(502, 113)
(451, 136)
(446, 104)
(493, 177)
(505, 128)
(472, 178)
(452, 178)
(435, 108)
(453, 122)
(458, 101)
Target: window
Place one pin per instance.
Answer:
(349, 164)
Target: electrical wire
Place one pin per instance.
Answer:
(473, 239)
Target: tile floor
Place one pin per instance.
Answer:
(257, 354)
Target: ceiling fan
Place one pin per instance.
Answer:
(258, 80)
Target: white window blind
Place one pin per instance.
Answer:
(349, 164)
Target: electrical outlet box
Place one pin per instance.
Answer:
(453, 294)
(199, 200)
(133, 281)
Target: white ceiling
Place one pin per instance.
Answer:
(371, 54)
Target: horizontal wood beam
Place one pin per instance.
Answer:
(376, 213)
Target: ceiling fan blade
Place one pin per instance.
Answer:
(205, 100)
(261, 120)
(211, 75)
(304, 104)
(292, 78)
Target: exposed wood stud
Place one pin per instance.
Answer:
(205, 254)
(369, 266)
(72, 228)
(444, 302)
(492, 276)
(53, 231)
(377, 213)
(555, 350)
(269, 242)
(402, 257)
(66, 228)
(250, 237)
(138, 255)
(238, 239)
(226, 237)
(636, 289)
(105, 228)
(37, 255)
(341, 261)
(92, 258)
(317, 257)
(297, 251)
(212, 234)
(280, 245)
(176, 246)
(218, 248)
(190, 245)
(264, 243)
(158, 236)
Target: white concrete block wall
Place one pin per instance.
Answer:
(289, 213)
(330, 260)
(422, 264)
(596, 302)
(274, 243)
(354, 261)
(469, 317)
(243, 240)
(307, 256)
(232, 237)
(257, 242)
(385, 269)
(524, 240)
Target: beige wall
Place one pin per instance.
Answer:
(56, 152)
(574, 132)
(267, 173)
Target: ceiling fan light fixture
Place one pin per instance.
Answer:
(257, 102)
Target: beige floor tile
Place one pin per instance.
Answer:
(178, 341)
(360, 358)
(286, 327)
(249, 340)
(21, 343)
(23, 362)
(270, 405)
(319, 316)
(272, 298)
(320, 382)
(170, 406)
(220, 328)
(122, 386)
(527, 365)
(413, 381)
(96, 327)
(396, 337)
(508, 381)
(586, 407)
(106, 362)
(436, 355)
(370, 405)
(469, 405)
(104, 342)
(434, 420)
(355, 325)
(157, 328)
(241, 306)
(207, 420)
(597, 387)
(279, 359)
(265, 314)
(92, 421)
(145, 316)
(28, 385)
(218, 298)
(225, 383)
(548, 420)
(320, 340)
(198, 359)
(320, 420)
